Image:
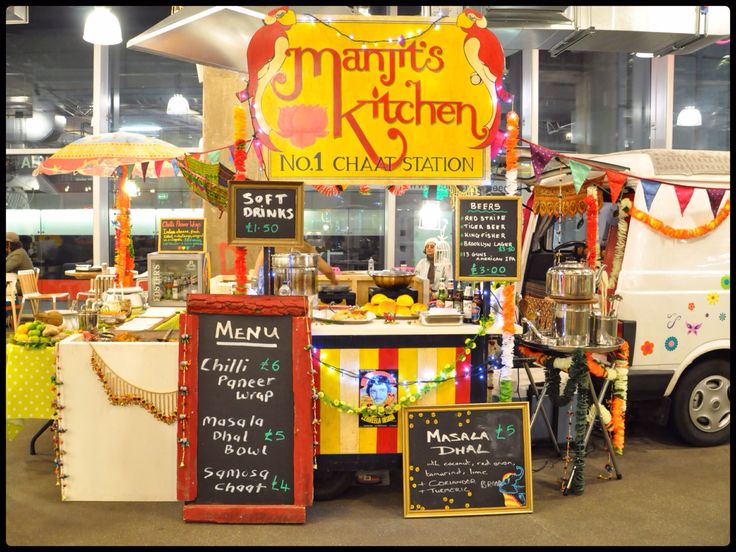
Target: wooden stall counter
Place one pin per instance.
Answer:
(118, 418)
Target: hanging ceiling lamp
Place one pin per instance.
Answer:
(102, 27)
(178, 105)
(689, 116)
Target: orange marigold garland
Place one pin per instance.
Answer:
(239, 132)
(591, 229)
(124, 255)
(241, 270)
(682, 233)
(507, 343)
(512, 137)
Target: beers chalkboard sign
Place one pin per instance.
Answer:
(267, 213)
(245, 391)
(181, 235)
(488, 230)
(461, 460)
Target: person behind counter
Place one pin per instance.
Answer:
(426, 267)
(16, 257)
(304, 247)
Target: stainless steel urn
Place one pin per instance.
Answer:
(298, 270)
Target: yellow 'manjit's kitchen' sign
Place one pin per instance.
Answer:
(399, 100)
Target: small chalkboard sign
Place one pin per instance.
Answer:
(488, 231)
(267, 213)
(181, 235)
(461, 460)
(245, 389)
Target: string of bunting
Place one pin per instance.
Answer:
(580, 168)
(57, 430)
(447, 373)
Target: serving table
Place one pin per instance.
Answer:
(566, 351)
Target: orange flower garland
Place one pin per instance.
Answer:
(509, 291)
(592, 229)
(512, 137)
(682, 233)
(124, 263)
(239, 126)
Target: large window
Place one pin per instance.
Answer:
(594, 102)
(703, 81)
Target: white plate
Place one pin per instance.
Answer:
(326, 316)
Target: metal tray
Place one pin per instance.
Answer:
(571, 348)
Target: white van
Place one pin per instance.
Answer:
(675, 312)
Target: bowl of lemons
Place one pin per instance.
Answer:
(403, 307)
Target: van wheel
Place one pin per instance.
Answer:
(331, 484)
(702, 404)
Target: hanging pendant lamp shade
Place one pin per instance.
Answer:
(178, 105)
(689, 116)
(102, 27)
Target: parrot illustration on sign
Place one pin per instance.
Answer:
(265, 54)
(485, 55)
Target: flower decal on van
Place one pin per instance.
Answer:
(726, 282)
(713, 298)
(670, 343)
(722, 317)
(647, 348)
(691, 306)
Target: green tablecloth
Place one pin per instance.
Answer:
(28, 386)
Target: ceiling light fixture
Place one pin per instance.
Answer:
(689, 117)
(644, 55)
(102, 27)
(178, 105)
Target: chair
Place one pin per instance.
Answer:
(29, 288)
(98, 285)
(11, 296)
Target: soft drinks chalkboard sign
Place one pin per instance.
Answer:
(181, 235)
(267, 213)
(488, 231)
(246, 425)
(472, 459)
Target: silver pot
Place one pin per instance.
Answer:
(572, 280)
(572, 324)
(299, 270)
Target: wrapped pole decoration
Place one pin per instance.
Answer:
(239, 130)
(507, 343)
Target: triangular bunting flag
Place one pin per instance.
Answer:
(175, 167)
(616, 182)
(715, 195)
(540, 158)
(157, 168)
(214, 156)
(650, 190)
(684, 193)
(131, 168)
(579, 173)
(232, 152)
(144, 169)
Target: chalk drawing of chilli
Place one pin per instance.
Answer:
(512, 488)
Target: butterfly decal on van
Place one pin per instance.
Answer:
(693, 328)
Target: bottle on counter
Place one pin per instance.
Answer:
(450, 293)
(168, 286)
(468, 304)
(477, 306)
(371, 265)
(441, 293)
(457, 297)
(285, 289)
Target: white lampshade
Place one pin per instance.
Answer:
(102, 27)
(178, 105)
(430, 215)
(689, 116)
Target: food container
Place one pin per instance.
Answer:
(392, 279)
(572, 324)
(603, 329)
(571, 280)
(298, 270)
(134, 295)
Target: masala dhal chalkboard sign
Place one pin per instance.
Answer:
(461, 460)
(488, 231)
(267, 213)
(245, 434)
(181, 235)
